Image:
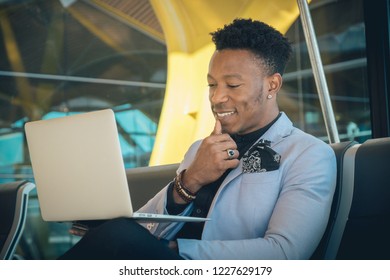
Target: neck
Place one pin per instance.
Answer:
(271, 115)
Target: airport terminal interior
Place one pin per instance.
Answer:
(147, 60)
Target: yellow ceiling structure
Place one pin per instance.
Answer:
(186, 24)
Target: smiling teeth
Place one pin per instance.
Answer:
(225, 114)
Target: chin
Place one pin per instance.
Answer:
(228, 130)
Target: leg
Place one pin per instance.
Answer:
(120, 239)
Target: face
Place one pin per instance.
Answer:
(238, 90)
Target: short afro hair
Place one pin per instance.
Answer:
(264, 41)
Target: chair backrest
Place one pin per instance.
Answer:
(145, 182)
(367, 228)
(323, 247)
(13, 212)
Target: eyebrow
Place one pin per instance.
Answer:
(237, 76)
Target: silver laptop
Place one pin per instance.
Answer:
(79, 171)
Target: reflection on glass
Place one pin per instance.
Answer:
(67, 57)
(341, 40)
(64, 57)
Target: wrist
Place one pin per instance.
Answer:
(181, 192)
(189, 181)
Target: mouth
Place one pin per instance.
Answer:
(222, 115)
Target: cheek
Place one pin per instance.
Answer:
(252, 104)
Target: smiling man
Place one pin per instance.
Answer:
(239, 89)
(266, 186)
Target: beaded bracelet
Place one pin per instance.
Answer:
(182, 191)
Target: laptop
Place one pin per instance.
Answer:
(79, 170)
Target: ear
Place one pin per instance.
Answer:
(274, 83)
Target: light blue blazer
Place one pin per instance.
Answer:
(279, 214)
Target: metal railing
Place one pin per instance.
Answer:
(318, 72)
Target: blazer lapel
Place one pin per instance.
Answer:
(281, 129)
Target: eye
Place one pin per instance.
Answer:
(233, 85)
(210, 85)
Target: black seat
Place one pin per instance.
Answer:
(13, 211)
(145, 182)
(367, 229)
(321, 251)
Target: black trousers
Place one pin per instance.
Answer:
(120, 239)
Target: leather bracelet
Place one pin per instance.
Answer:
(182, 191)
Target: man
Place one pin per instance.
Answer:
(266, 186)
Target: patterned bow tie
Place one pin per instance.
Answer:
(260, 158)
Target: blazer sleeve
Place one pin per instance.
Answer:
(157, 204)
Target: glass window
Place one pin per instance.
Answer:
(339, 27)
(67, 57)
(60, 59)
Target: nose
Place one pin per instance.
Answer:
(217, 95)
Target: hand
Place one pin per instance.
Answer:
(78, 229)
(173, 246)
(211, 159)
